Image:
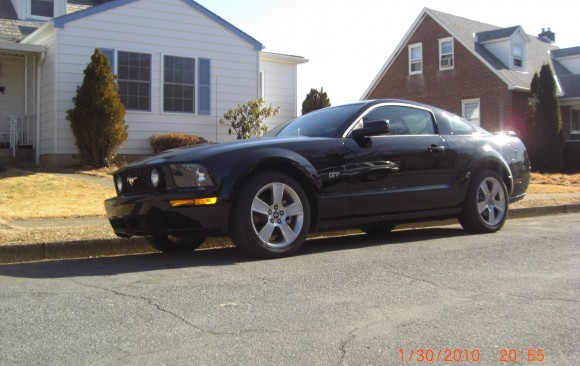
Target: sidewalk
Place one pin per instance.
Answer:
(531, 206)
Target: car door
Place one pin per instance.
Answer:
(405, 170)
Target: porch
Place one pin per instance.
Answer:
(17, 135)
(20, 75)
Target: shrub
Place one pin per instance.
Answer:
(544, 138)
(248, 120)
(315, 100)
(97, 118)
(171, 140)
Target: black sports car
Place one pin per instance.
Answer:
(369, 165)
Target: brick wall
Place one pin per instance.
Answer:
(469, 79)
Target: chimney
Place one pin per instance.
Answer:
(547, 35)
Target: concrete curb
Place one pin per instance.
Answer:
(35, 252)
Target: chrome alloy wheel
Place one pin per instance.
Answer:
(491, 201)
(277, 215)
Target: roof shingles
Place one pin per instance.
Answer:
(13, 29)
(538, 51)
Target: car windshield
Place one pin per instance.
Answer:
(327, 122)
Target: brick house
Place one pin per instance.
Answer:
(479, 71)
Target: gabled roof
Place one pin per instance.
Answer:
(13, 29)
(569, 82)
(464, 31)
(496, 34)
(566, 52)
(60, 22)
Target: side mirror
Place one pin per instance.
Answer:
(372, 128)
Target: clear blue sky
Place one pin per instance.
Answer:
(347, 42)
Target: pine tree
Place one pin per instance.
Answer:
(97, 119)
(315, 100)
(545, 123)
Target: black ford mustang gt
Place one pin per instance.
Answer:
(369, 165)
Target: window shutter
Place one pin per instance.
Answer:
(109, 54)
(204, 86)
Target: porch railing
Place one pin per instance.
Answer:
(20, 132)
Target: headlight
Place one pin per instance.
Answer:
(191, 175)
(154, 177)
(119, 183)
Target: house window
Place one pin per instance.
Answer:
(470, 110)
(415, 59)
(445, 53)
(575, 120)
(518, 57)
(42, 8)
(178, 84)
(134, 77)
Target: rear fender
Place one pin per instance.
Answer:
(488, 158)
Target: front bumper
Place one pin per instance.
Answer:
(152, 215)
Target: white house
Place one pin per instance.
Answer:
(179, 68)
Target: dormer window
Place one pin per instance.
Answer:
(518, 57)
(42, 8)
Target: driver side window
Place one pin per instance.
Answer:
(403, 120)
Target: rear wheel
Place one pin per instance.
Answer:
(486, 205)
(271, 216)
(170, 243)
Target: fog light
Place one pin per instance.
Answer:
(194, 202)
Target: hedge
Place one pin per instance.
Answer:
(171, 140)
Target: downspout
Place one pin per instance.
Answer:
(38, 90)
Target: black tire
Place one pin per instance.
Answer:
(170, 243)
(271, 216)
(486, 205)
(378, 230)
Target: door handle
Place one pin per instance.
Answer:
(436, 148)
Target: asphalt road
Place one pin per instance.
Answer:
(511, 296)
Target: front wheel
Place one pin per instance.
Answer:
(170, 243)
(486, 205)
(271, 216)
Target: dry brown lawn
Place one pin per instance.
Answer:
(554, 183)
(35, 195)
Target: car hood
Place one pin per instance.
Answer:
(201, 152)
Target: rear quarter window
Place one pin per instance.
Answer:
(458, 125)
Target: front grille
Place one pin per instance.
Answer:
(137, 181)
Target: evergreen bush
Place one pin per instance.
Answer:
(97, 118)
(315, 100)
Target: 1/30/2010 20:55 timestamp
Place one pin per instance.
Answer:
(448, 355)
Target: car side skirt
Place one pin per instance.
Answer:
(399, 218)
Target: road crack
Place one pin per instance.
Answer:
(160, 308)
